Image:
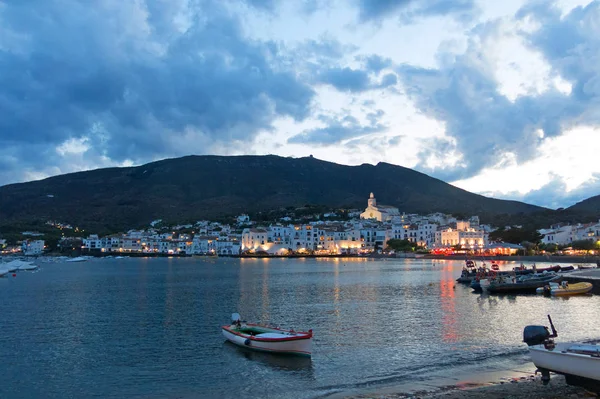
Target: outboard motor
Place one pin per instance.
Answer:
(535, 335)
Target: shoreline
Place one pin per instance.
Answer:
(524, 385)
(517, 259)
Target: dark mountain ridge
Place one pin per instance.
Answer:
(198, 187)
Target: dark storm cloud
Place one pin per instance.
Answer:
(484, 123)
(339, 128)
(409, 10)
(138, 81)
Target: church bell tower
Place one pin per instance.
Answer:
(371, 203)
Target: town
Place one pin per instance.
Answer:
(367, 232)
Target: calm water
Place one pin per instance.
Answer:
(150, 327)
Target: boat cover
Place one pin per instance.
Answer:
(583, 349)
(273, 335)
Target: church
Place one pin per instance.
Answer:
(382, 213)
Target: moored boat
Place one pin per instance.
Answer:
(268, 339)
(470, 273)
(522, 284)
(78, 259)
(565, 289)
(578, 362)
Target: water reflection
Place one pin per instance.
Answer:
(153, 330)
(275, 361)
(265, 292)
(449, 318)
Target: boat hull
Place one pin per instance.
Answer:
(571, 289)
(522, 287)
(580, 369)
(300, 345)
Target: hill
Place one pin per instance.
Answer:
(590, 206)
(198, 187)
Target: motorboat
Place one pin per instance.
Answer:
(578, 362)
(78, 259)
(522, 284)
(27, 266)
(17, 265)
(565, 289)
(267, 339)
(470, 273)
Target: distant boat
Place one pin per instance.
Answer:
(578, 362)
(78, 259)
(565, 289)
(26, 266)
(17, 265)
(267, 339)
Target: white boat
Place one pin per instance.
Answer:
(17, 264)
(3, 271)
(78, 259)
(268, 339)
(578, 362)
(27, 266)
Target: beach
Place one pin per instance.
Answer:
(530, 387)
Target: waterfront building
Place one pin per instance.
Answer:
(203, 245)
(558, 234)
(381, 213)
(32, 247)
(463, 235)
(228, 247)
(93, 242)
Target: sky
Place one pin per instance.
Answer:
(500, 98)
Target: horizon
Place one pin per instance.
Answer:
(495, 99)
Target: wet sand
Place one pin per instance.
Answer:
(530, 387)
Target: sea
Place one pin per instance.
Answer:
(151, 327)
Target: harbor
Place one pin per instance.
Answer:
(151, 326)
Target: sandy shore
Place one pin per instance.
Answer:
(529, 387)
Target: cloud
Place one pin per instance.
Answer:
(555, 193)
(463, 94)
(355, 80)
(376, 63)
(346, 79)
(137, 80)
(339, 128)
(409, 10)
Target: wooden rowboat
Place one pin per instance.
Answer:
(268, 339)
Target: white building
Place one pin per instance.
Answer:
(242, 219)
(463, 235)
(559, 235)
(32, 247)
(381, 213)
(228, 247)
